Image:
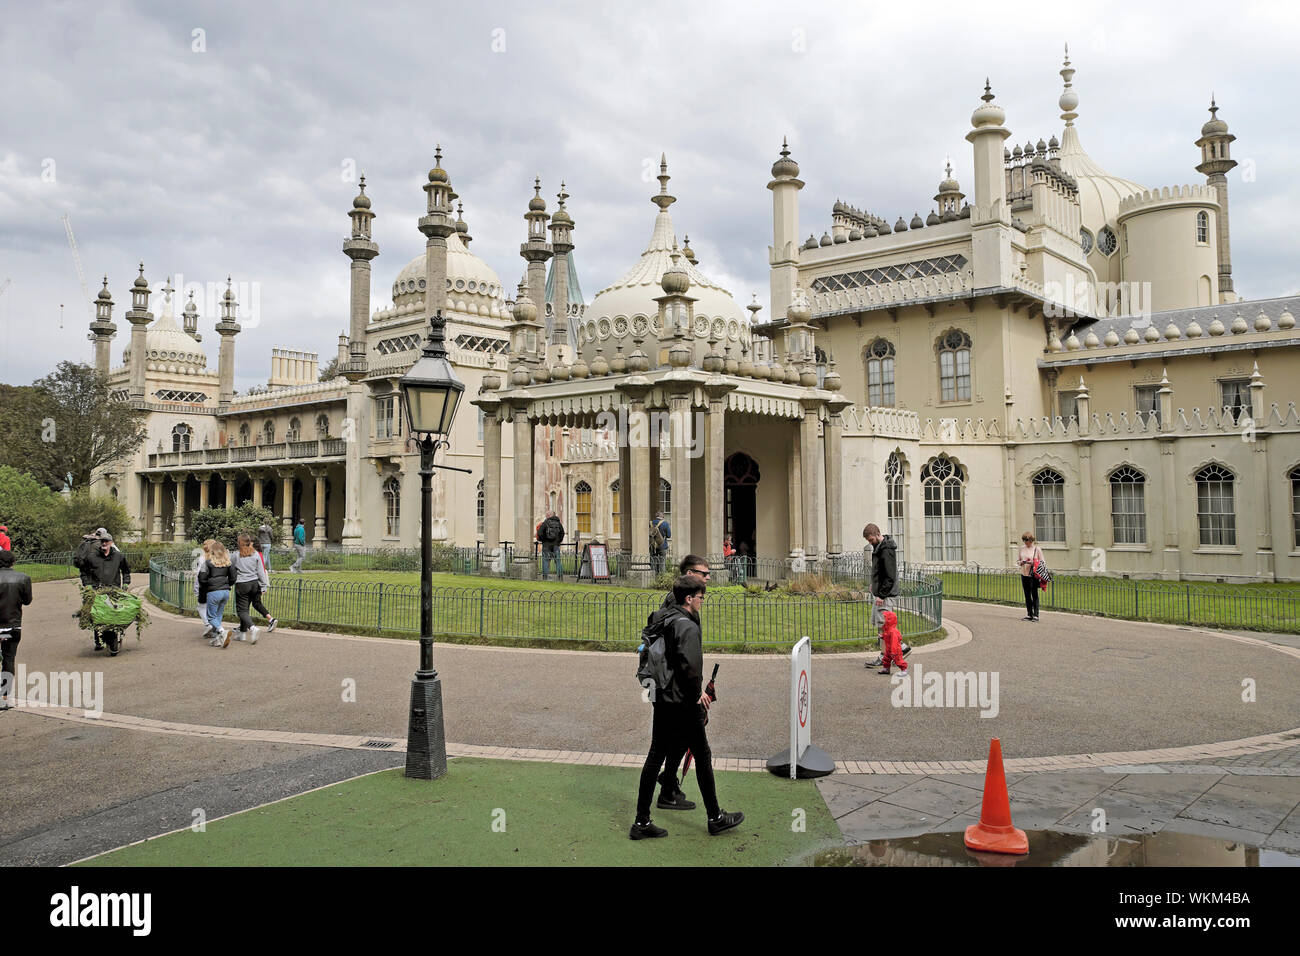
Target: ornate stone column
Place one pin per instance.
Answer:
(524, 566)
(204, 477)
(714, 479)
(636, 524)
(257, 476)
(352, 465)
(808, 441)
(492, 482)
(229, 477)
(624, 494)
(795, 511)
(318, 532)
(286, 500)
(1172, 559)
(834, 476)
(178, 522)
(156, 481)
(679, 407)
(1086, 537)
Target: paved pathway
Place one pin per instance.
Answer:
(1074, 692)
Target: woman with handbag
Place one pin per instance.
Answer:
(1030, 554)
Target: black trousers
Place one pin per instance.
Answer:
(9, 651)
(246, 593)
(1030, 584)
(677, 727)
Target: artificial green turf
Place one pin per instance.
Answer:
(553, 815)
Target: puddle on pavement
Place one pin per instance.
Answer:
(1052, 848)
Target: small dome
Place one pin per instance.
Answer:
(785, 166)
(1041, 145)
(1216, 327)
(1194, 330)
(840, 237)
(537, 203)
(1171, 332)
(562, 215)
(871, 231)
(811, 243)
(1286, 320)
(362, 201)
(917, 221)
(438, 174)
(901, 225)
(1131, 337)
(826, 239)
(1072, 343)
(989, 114)
(104, 295)
(675, 281)
(1091, 341)
(1238, 325)
(1053, 143)
(1151, 335)
(1214, 126)
(855, 234)
(140, 281)
(838, 207)
(1017, 153)
(932, 219)
(1262, 322)
(1112, 339)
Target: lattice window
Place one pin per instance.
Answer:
(322, 426)
(182, 435)
(582, 506)
(844, 281)
(1215, 510)
(400, 343)
(1202, 228)
(1128, 506)
(483, 343)
(295, 430)
(880, 373)
(944, 532)
(245, 434)
(393, 506)
(177, 395)
(954, 366)
(1049, 506)
(268, 432)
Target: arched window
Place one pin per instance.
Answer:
(1085, 240)
(1203, 228)
(393, 506)
(582, 507)
(322, 426)
(479, 511)
(954, 366)
(894, 498)
(1215, 511)
(295, 430)
(245, 435)
(181, 436)
(1295, 507)
(880, 373)
(268, 432)
(665, 498)
(819, 358)
(944, 537)
(1107, 242)
(616, 507)
(1049, 506)
(1128, 506)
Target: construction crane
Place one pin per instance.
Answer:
(76, 259)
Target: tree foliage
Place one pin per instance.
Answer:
(224, 524)
(40, 520)
(65, 427)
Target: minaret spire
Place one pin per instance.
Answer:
(1069, 100)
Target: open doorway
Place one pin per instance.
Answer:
(742, 508)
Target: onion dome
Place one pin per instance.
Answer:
(1193, 330)
(989, 114)
(1131, 337)
(1262, 322)
(932, 219)
(599, 366)
(525, 309)
(870, 232)
(1286, 320)
(140, 281)
(965, 211)
(104, 295)
(785, 166)
(537, 203)
(1238, 325)
(1053, 143)
(832, 382)
(618, 364)
(361, 201)
(1171, 332)
(675, 280)
(826, 239)
(1216, 327)
(800, 309)
(520, 376)
(1111, 339)
(792, 374)
(1042, 146)
(1151, 335)
(840, 238)
(438, 174)
(689, 253)
(811, 243)
(1054, 342)
(1090, 341)
(491, 380)
(1072, 343)
(855, 234)
(917, 221)
(1214, 125)
(1017, 153)
(900, 226)
(580, 368)
(541, 374)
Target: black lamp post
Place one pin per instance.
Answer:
(431, 392)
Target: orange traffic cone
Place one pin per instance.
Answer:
(994, 833)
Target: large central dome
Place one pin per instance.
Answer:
(627, 308)
(472, 287)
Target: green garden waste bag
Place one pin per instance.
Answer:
(120, 613)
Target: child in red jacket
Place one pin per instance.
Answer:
(891, 644)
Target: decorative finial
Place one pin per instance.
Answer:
(167, 292)
(785, 146)
(562, 195)
(947, 169)
(1213, 107)
(663, 200)
(988, 91)
(437, 154)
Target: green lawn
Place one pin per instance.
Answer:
(545, 614)
(46, 572)
(501, 813)
(1254, 606)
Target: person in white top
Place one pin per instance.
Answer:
(1029, 553)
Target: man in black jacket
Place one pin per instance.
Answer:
(671, 797)
(105, 566)
(884, 580)
(15, 593)
(550, 534)
(679, 710)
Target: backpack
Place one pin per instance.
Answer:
(652, 670)
(656, 537)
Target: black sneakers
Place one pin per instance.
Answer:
(674, 801)
(648, 831)
(907, 648)
(724, 821)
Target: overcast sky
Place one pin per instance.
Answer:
(220, 138)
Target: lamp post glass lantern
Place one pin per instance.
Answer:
(431, 392)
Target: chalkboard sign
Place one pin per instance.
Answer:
(595, 563)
